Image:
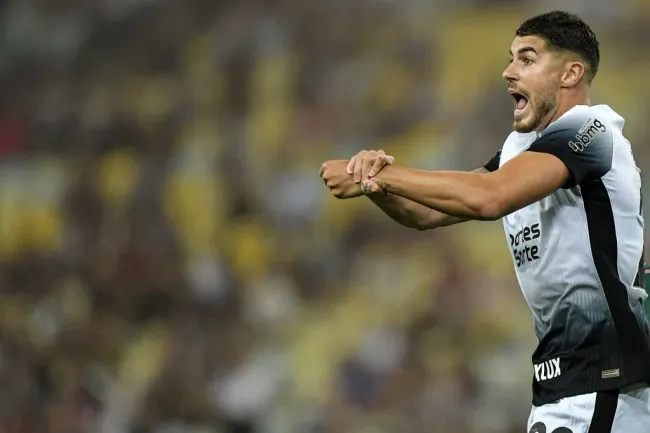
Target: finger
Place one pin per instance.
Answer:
(364, 189)
(372, 187)
(358, 166)
(380, 162)
(350, 167)
(365, 166)
(390, 159)
(321, 171)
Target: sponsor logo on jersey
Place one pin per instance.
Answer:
(586, 134)
(522, 250)
(547, 370)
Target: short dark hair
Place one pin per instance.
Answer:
(565, 31)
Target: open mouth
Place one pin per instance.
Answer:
(520, 101)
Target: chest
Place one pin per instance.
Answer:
(515, 144)
(526, 224)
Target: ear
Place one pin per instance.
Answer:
(573, 73)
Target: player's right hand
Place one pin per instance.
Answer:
(338, 181)
(367, 164)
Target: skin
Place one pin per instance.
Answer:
(405, 212)
(552, 82)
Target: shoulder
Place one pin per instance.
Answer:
(582, 139)
(579, 128)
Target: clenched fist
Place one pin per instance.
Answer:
(337, 179)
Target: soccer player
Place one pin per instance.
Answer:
(568, 191)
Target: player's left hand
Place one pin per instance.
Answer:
(367, 164)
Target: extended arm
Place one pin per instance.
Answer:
(406, 212)
(479, 196)
(412, 214)
(553, 161)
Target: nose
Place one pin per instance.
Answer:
(510, 74)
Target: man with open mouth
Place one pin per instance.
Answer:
(567, 188)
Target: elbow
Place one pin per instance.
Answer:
(427, 222)
(419, 225)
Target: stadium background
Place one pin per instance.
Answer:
(170, 261)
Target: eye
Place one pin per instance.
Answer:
(527, 61)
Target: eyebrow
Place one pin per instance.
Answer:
(524, 50)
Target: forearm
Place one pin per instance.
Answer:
(462, 195)
(412, 214)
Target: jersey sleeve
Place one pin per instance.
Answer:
(582, 142)
(493, 164)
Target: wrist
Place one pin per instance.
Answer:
(387, 177)
(381, 198)
(355, 190)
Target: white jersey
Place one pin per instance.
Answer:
(577, 254)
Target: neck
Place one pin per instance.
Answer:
(566, 101)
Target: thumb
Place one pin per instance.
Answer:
(372, 187)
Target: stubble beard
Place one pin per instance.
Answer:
(540, 107)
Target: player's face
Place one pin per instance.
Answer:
(533, 77)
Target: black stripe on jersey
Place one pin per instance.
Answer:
(635, 354)
(639, 281)
(604, 412)
(493, 164)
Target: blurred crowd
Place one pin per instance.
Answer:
(170, 261)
